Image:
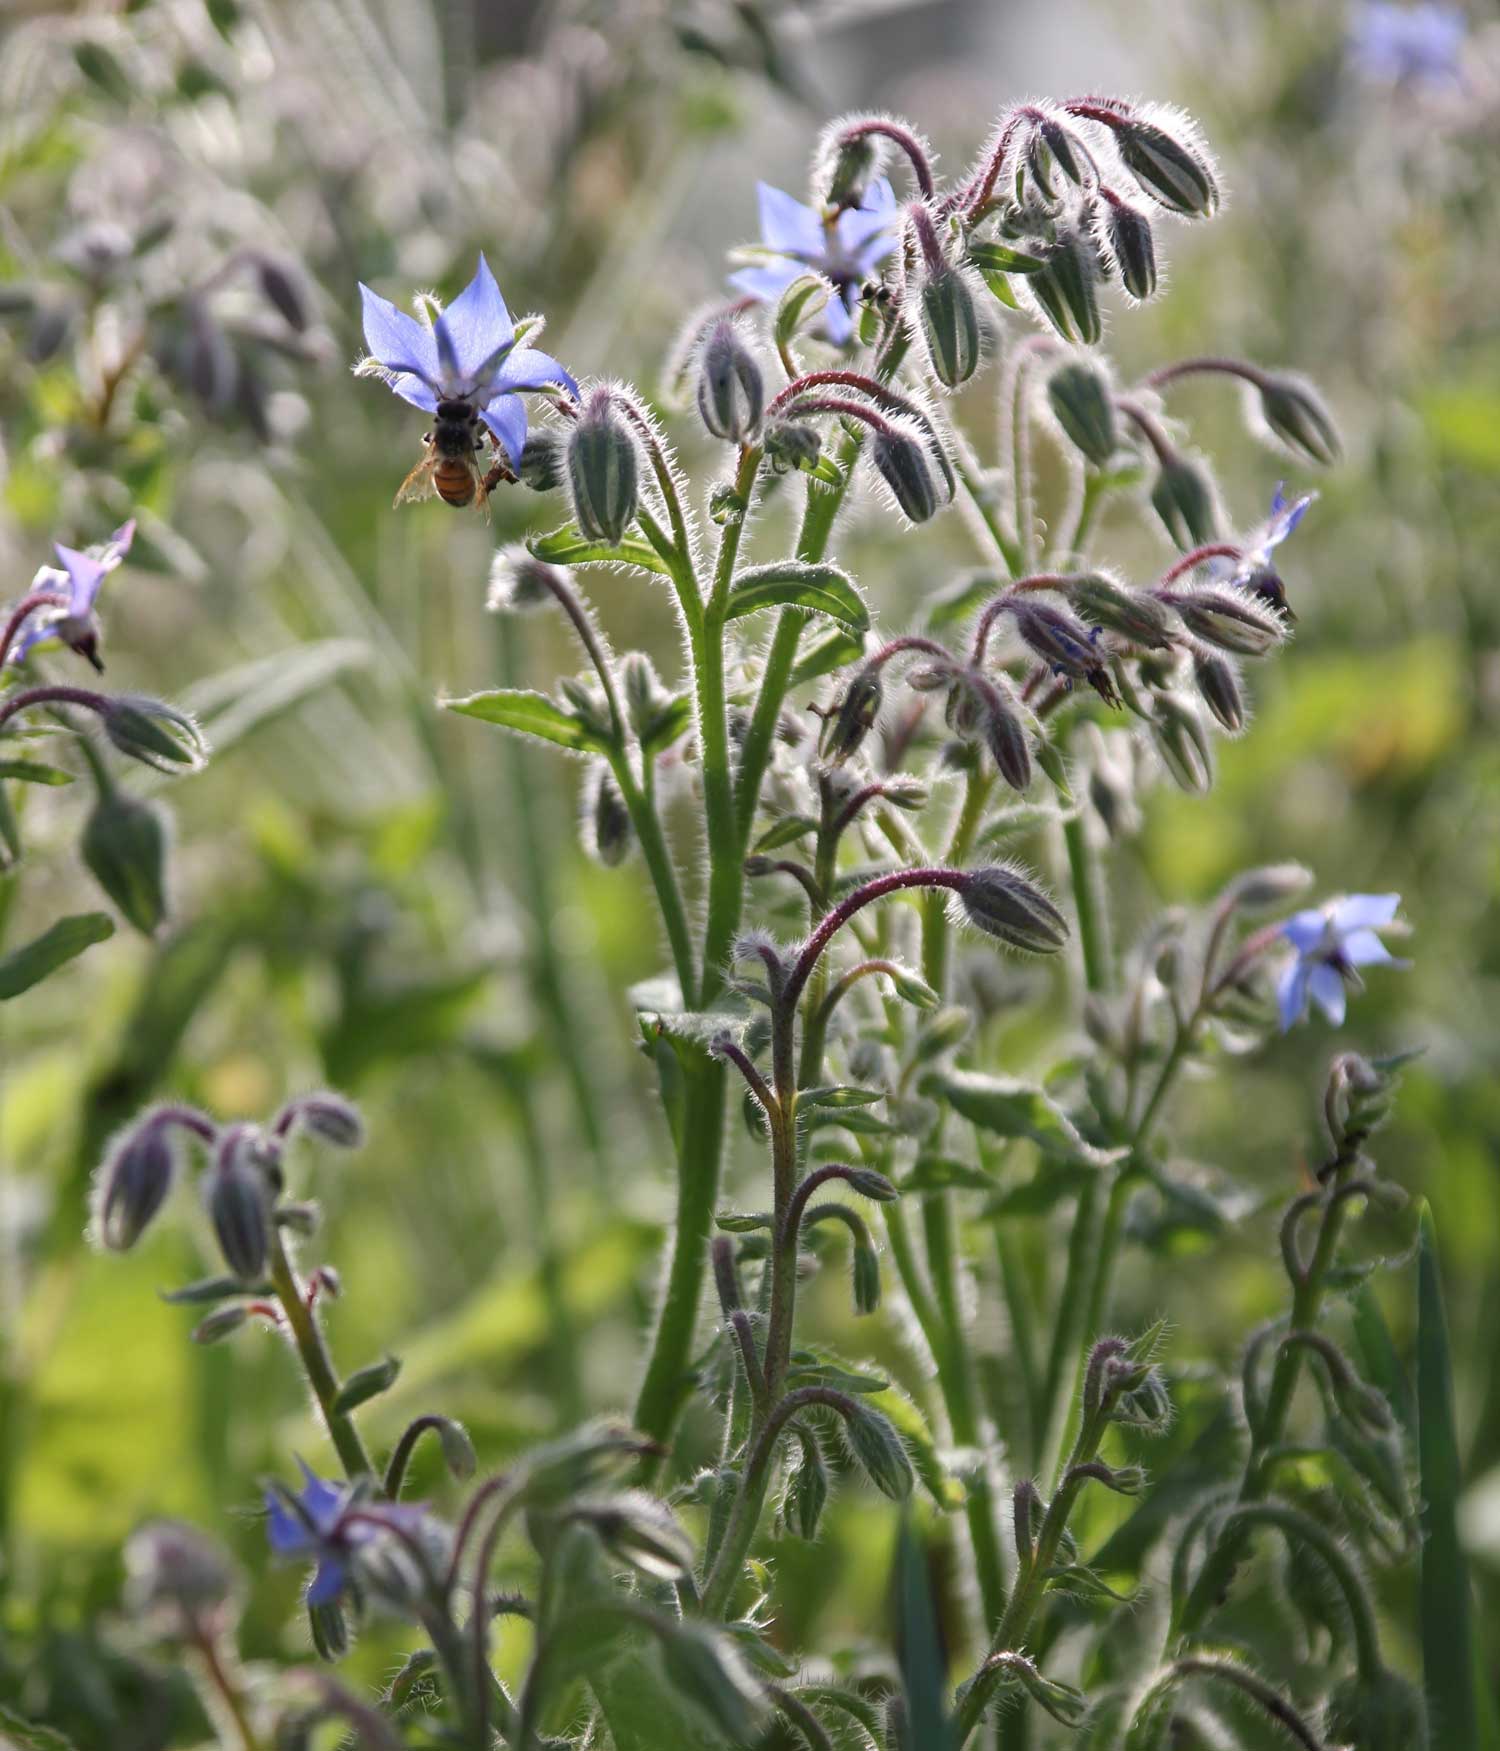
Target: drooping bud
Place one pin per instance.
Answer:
(1218, 683)
(222, 1323)
(1142, 618)
(237, 1197)
(1079, 395)
(1066, 288)
(648, 705)
(125, 847)
(520, 581)
(807, 1489)
(1183, 741)
(177, 1576)
(329, 1629)
(866, 1277)
(950, 325)
(854, 717)
(847, 164)
(1184, 498)
(157, 734)
(603, 470)
(1064, 643)
(1295, 415)
(1005, 737)
(284, 291)
(639, 1530)
(1230, 618)
(880, 1451)
(1004, 904)
(1270, 885)
(1383, 1713)
(731, 390)
(543, 460)
(608, 832)
(1133, 248)
(133, 1184)
(1059, 141)
(330, 1118)
(905, 464)
(1168, 165)
(791, 444)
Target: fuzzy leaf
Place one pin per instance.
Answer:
(1010, 1108)
(532, 714)
(566, 546)
(54, 948)
(821, 589)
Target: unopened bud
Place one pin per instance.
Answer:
(848, 169)
(639, 1530)
(1059, 141)
(1004, 904)
(176, 1574)
(790, 444)
(1273, 884)
(331, 1119)
(905, 464)
(329, 1629)
(543, 460)
(133, 1184)
(950, 326)
(880, 1451)
(519, 580)
(1005, 737)
(1183, 742)
(1079, 395)
(1184, 498)
(731, 390)
(807, 1491)
(1294, 414)
(1219, 685)
(1170, 168)
(603, 471)
(1133, 248)
(157, 734)
(125, 847)
(1142, 618)
(865, 1271)
(1066, 288)
(237, 1197)
(609, 834)
(1376, 1712)
(855, 715)
(1063, 642)
(223, 1322)
(1230, 618)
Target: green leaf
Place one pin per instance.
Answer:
(367, 1383)
(801, 302)
(1011, 1108)
(1000, 286)
(23, 1735)
(787, 831)
(789, 583)
(54, 948)
(997, 258)
(827, 655)
(34, 772)
(839, 1095)
(566, 546)
(923, 1668)
(208, 1289)
(1046, 1188)
(1377, 1349)
(530, 714)
(1448, 1659)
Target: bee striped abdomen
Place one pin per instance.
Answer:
(454, 481)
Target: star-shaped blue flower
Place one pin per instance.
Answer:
(845, 252)
(1331, 942)
(1409, 45)
(468, 353)
(72, 622)
(324, 1533)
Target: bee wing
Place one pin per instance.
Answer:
(418, 484)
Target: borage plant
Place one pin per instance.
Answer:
(887, 784)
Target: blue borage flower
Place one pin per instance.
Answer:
(468, 352)
(71, 620)
(1408, 45)
(846, 250)
(320, 1527)
(1331, 942)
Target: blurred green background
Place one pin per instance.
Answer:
(369, 895)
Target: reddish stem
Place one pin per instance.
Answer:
(27, 606)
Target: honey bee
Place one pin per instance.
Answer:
(453, 466)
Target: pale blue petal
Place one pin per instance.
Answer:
(838, 324)
(1304, 930)
(1363, 948)
(1291, 993)
(526, 368)
(399, 341)
(416, 391)
(506, 418)
(1326, 989)
(1365, 911)
(768, 280)
(867, 234)
(1285, 517)
(84, 578)
(286, 1533)
(324, 1501)
(327, 1582)
(786, 225)
(476, 324)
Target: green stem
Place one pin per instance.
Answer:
(317, 1364)
(640, 800)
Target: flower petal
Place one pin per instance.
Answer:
(475, 325)
(415, 390)
(328, 1581)
(399, 341)
(1284, 517)
(838, 324)
(526, 368)
(1365, 911)
(867, 233)
(84, 578)
(1305, 930)
(323, 1501)
(1363, 948)
(506, 418)
(1326, 989)
(285, 1532)
(785, 224)
(1291, 993)
(767, 280)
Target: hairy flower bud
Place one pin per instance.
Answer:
(1063, 642)
(1270, 885)
(1183, 741)
(1383, 1713)
(806, 1490)
(905, 464)
(222, 1323)
(543, 460)
(1184, 498)
(640, 1531)
(1133, 248)
(1218, 683)
(1005, 737)
(608, 832)
(731, 390)
(1294, 414)
(519, 581)
(1000, 901)
(1231, 618)
(330, 1118)
(1066, 288)
(154, 733)
(133, 1184)
(790, 444)
(950, 325)
(1142, 618)
(855, 715)
(603, 471)
(848, 168)
(237, 1197)
(125, 847)
(1168, 166)
(177, 1577)
(879, 1449)
(1079, 395)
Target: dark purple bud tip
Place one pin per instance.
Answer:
(237, 1194)
(731, 390)
(133, 1184)
(904, 462)
(327, 1116)
(1006, 905)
